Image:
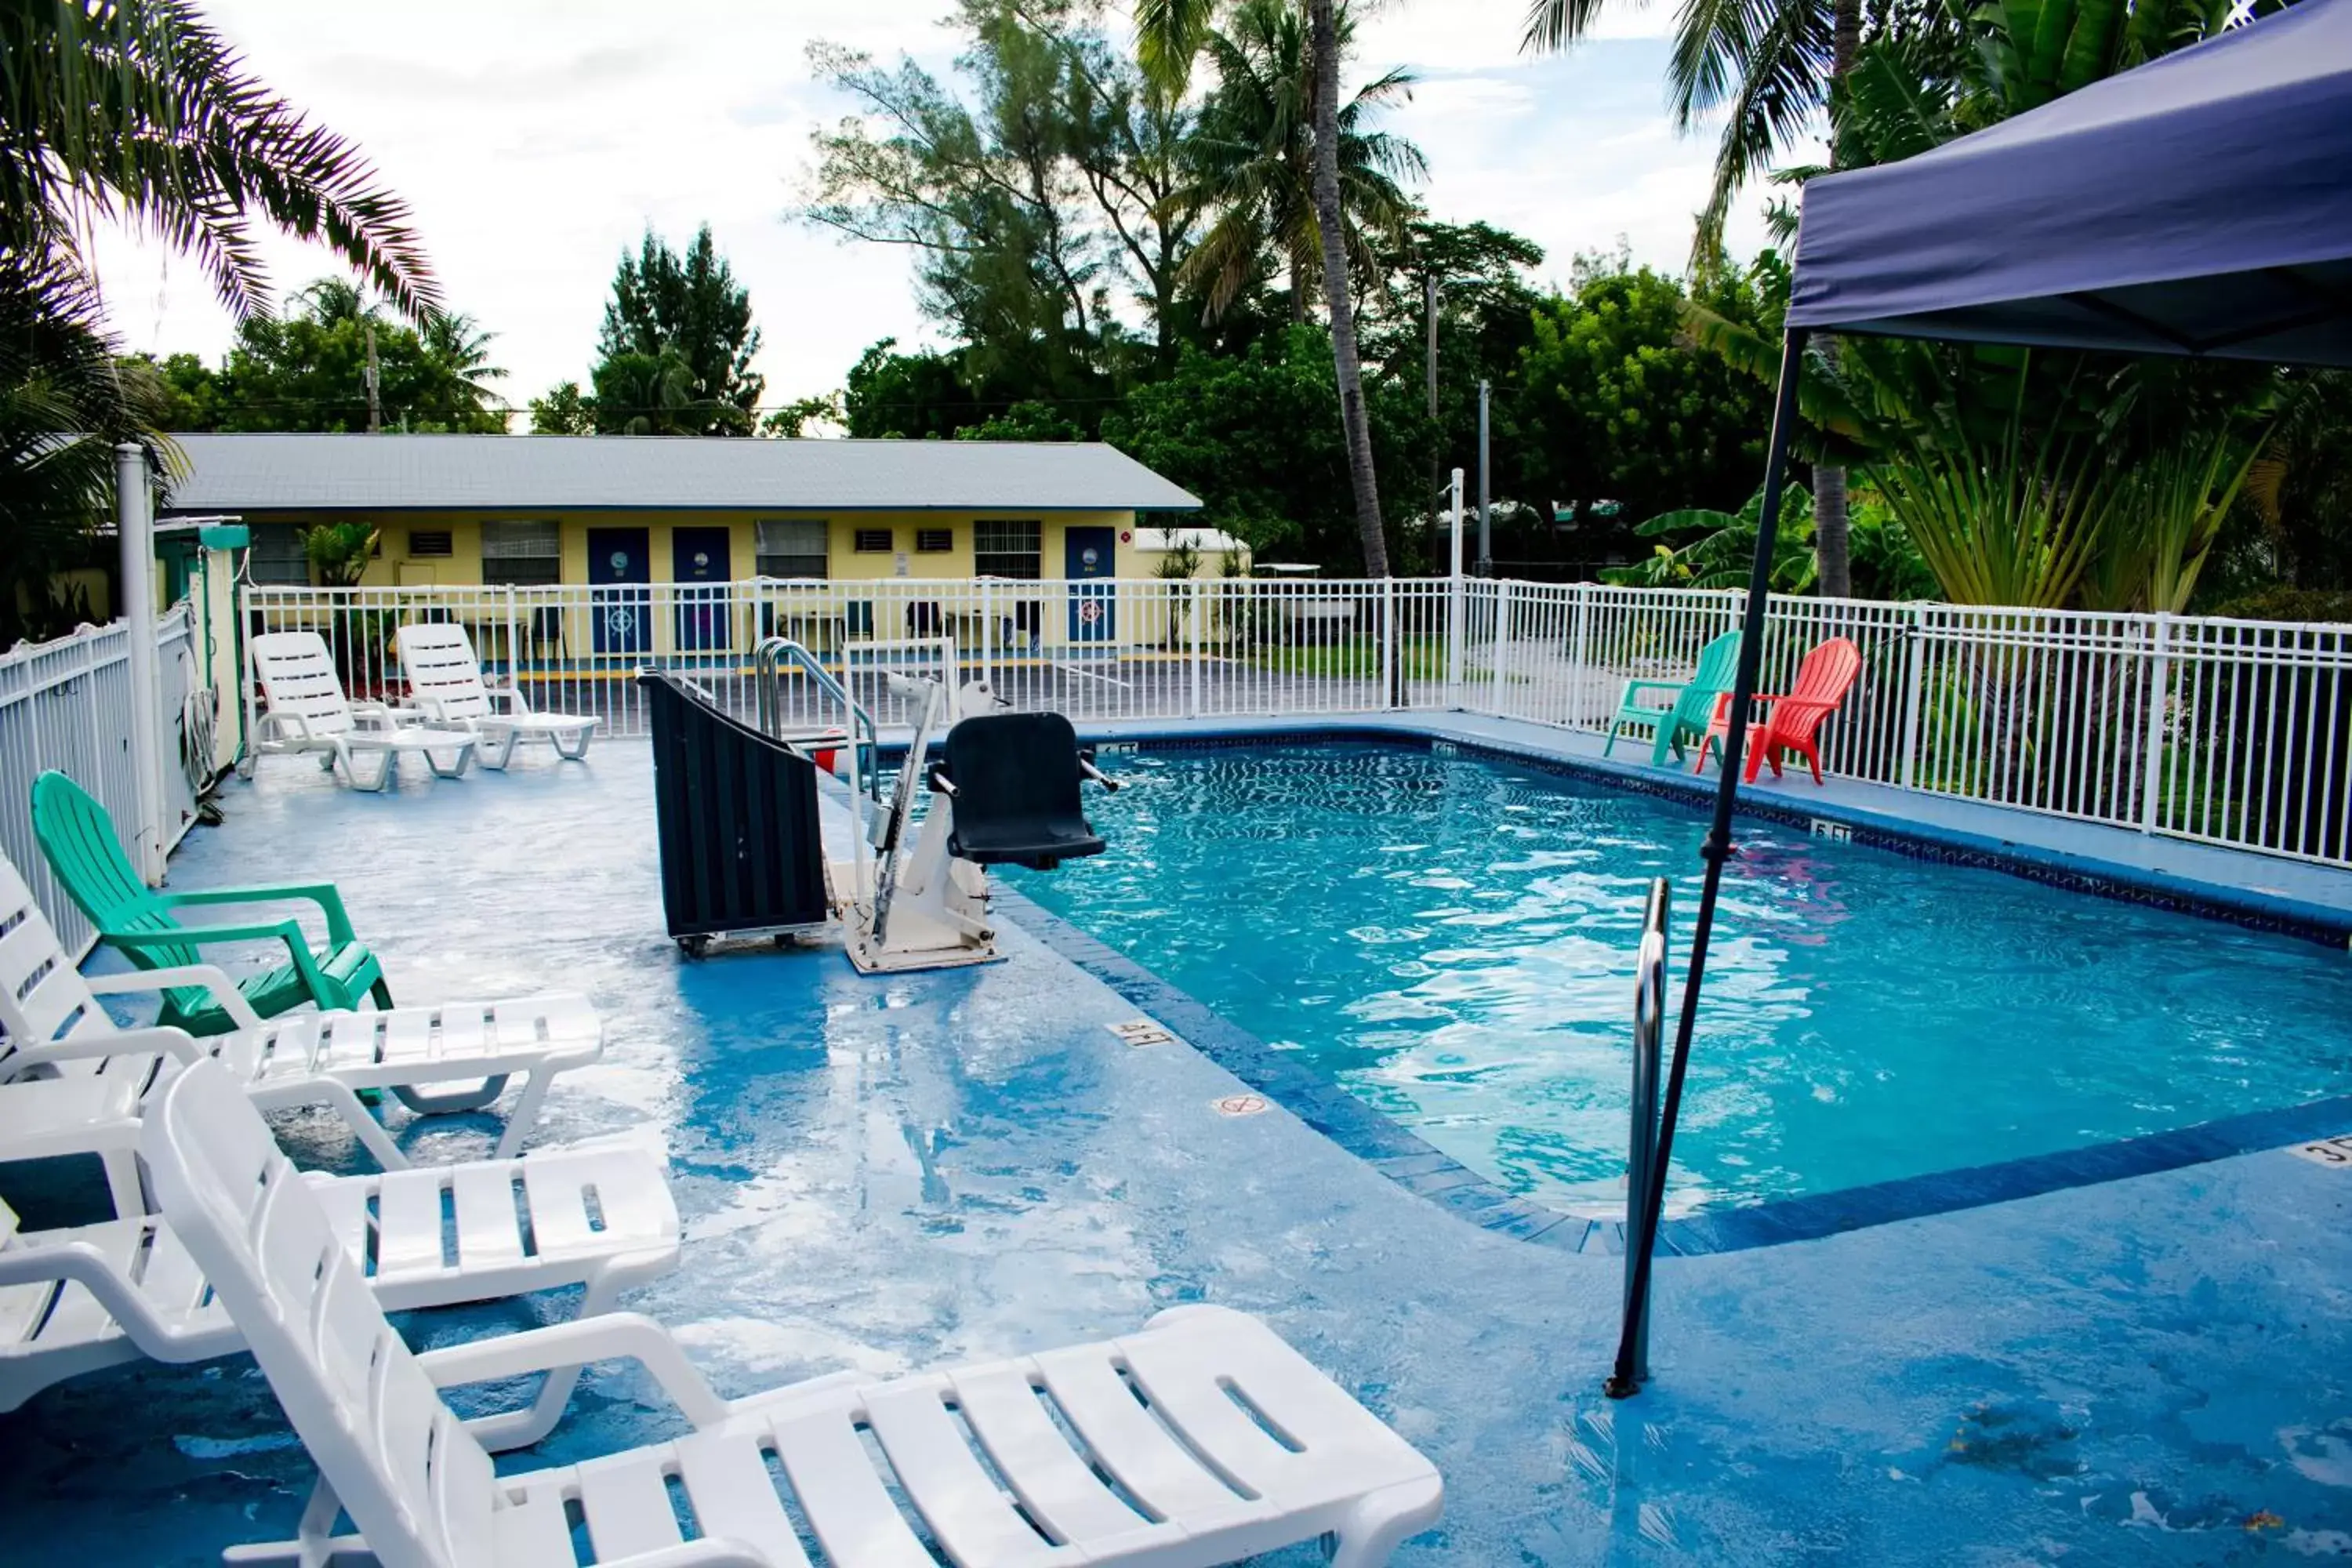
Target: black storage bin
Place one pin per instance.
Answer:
(736, 811)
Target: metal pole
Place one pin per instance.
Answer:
(1454, 606)
(1625, 1379)
(1436, 441)
(1642, 1141)
(1486, 541)
(135, 528)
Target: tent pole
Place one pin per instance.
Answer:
(1625, 1378)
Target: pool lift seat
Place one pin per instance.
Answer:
(1004, 794)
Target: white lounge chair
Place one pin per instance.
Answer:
(596, 1216)
(305, 712)
(445, 685)
(70, 1077)
(1203, 1439)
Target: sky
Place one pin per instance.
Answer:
(535, 140)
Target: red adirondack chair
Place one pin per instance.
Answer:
(1790, 722)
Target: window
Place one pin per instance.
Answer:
(277, 558)
(429, 542)
(934, 540)
(523, 554)
(872, 542)
(789, 547)
(1008, 549)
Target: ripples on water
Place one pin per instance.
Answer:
(1452, 940)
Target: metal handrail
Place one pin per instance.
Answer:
(1642, 1143)
(767, 662)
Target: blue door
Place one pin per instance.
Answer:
(701, 568)
(619, 562)
(1087, 553)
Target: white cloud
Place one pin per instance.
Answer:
(535, 139)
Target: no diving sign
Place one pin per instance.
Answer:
(2335, 1151)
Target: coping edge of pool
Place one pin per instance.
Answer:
(1413, 1163)
(2075, 872)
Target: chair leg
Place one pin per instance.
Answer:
(525, 1115)
(1610, 744)
(520, 1428)
(577, 753)
(1812, 755)
(494, 756)
(381, 991)
(123, 1184)
(1377, 1525)
(454, 770)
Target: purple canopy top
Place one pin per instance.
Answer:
(2201, 204)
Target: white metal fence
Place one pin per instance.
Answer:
(2229, 731)
(67, 705)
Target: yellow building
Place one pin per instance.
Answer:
(535, 511)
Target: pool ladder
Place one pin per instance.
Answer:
(1642, 1142)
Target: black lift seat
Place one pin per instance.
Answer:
(1016, 792)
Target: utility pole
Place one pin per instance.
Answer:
(1486, 541)
(374, 387)
(1436, 447)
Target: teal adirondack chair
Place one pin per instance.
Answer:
(78, 838)
(1684, 720)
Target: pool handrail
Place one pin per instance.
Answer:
(1642, 1142)
(768, 659)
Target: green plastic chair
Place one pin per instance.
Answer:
(83, 851)
(1685, 719)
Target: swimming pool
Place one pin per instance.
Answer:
(1451, 939)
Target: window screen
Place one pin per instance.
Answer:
(429, 542)
(276, 558)
(934, 540)
(873, 542)
(790, 547)
(523, 554)
(1008, 549)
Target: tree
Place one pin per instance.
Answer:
(678, 333)
(65, 401)
(1252, 161)
(1253, 437)
(564, 411)
(1028, 203)
(1170, 35)
(1025, 422)
(1614, 402)
(307, 371)
(902, 394)
(137, 109)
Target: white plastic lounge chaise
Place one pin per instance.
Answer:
(445, 685)
(71, 1078)
(305, 712)
(597, 1216)
(1181, 1418)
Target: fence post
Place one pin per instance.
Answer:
(1390, 696)
(514, 644)
(1582, 602)
(135, 526)
(1913, 678)
(1196, 613)
(2159, 684)
(1453, 608)
(1502, 644)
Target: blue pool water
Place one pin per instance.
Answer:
(1450, 938)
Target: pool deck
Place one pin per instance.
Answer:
(890, 1174)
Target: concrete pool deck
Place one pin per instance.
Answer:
(889, 1174)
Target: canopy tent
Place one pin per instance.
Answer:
(2201, 204)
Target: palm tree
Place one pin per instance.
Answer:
(459, 343)
(1773, 63)
(137, 109)
(1170, 35)
(1254, 160)
(66, 399)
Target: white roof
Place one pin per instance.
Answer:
(241, 473)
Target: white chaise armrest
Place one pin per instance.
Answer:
(83, 1264)
(99, 1044)
(371, 715)
(211, 977)
(293, 723)
(510, 697)
(610, 1336)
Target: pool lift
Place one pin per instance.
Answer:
(914, 896)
